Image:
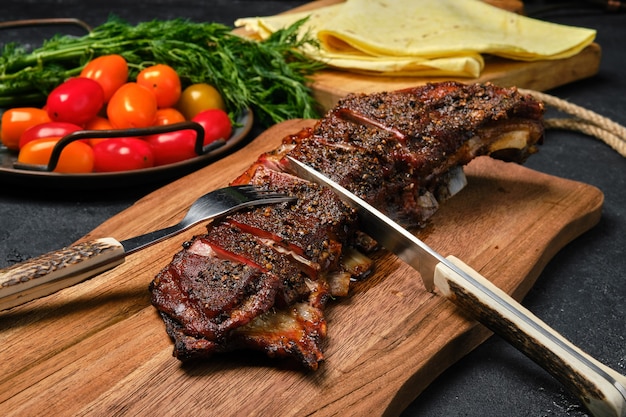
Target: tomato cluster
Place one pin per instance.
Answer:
(103, 97)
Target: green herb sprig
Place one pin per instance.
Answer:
(270, 76)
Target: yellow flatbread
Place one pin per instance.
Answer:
(425, 37)
(465, 65)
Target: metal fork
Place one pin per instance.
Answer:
(214, 204)
(59, 269)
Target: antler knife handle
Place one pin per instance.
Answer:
(53, 271)
(601, 389)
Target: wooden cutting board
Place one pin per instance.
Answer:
(99, 348)
(330, 85)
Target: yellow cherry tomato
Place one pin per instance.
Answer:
(199, 97)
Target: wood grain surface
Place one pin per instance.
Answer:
(331, 85)
(99, 348)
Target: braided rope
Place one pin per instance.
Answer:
(614, 141)
(584, 121)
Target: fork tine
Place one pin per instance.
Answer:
(267, 194)
(244, 187)
(254, 191)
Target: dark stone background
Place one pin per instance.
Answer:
(580, 293)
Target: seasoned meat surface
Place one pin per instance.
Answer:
(261, 278)
(392, 148)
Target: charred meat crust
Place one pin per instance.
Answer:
(233, 241)
(390, 148)
(260, 278)
(211, 298)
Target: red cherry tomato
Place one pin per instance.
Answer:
(76, 157)
(47, 130)
(110, 71)
(16, 120)
(168, 116)
(171, 147)
(122, 154)
(216, 124)
(163, 81)
(132, 105)
(76, 101)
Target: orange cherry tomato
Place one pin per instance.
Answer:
(16, 120)
(168, 116)
(132, 105)
(76, 157)
(110, 71)
(199, 97)
(163, 81)
(98, 123)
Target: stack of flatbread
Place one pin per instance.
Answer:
(424, 37)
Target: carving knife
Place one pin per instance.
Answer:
(601, 389)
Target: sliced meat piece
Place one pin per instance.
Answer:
(230, 239)
(209, 296)
(312, 227)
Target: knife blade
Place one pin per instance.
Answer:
(601, 389)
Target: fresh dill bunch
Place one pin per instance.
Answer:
(269, 76)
